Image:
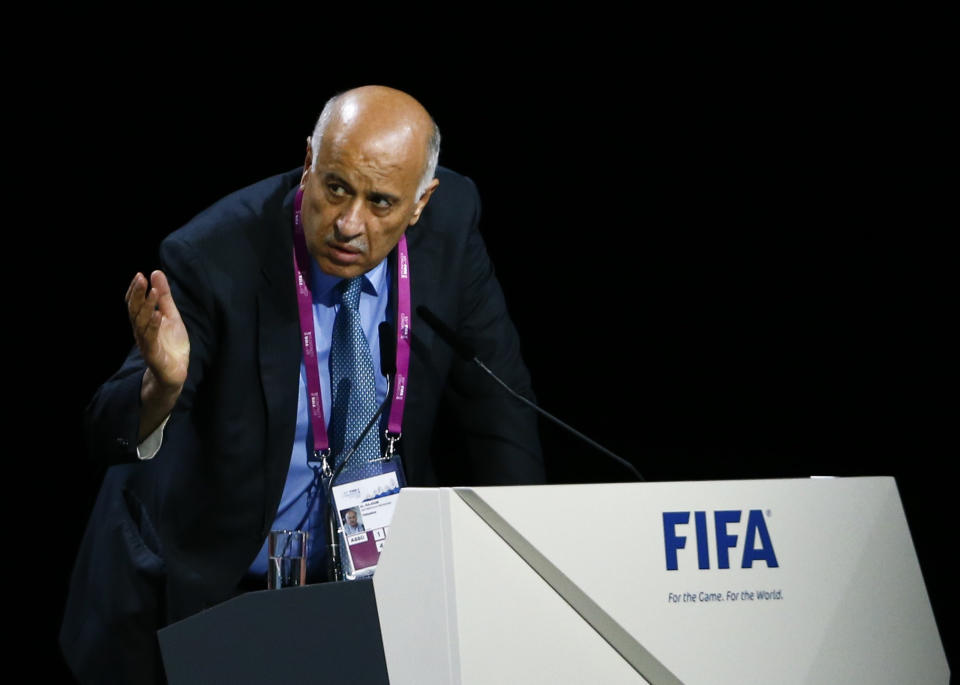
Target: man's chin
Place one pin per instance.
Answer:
(339, 270)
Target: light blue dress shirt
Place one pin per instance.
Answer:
(374, 300)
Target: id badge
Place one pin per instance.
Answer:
(365, 510)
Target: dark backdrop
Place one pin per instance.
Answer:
(723, 262)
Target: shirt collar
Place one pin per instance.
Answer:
(323, 285)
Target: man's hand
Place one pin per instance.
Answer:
(164, 345)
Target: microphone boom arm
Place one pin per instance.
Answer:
(543, 412)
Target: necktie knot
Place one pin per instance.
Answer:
(351, 293)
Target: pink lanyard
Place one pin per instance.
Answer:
(301, 262)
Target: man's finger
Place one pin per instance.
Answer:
(144, 314)
(137, 280)
(135, 297)
(160, 285)
(137, 285)
(158, 281)
(149, 347)
(135, 303)
(133, 282)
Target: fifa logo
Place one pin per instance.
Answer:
(757, 545)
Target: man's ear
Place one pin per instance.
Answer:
(424, 199)
(307, 163)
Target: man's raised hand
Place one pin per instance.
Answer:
(163, 343)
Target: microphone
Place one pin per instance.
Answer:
(388, 367)
(388, 352)
(467, 353)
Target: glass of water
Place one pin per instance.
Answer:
(287, 562)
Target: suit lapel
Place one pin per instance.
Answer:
(279, 352)
(424, 285)
(425, 252)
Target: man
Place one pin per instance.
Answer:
(350, 525)
(208, 417)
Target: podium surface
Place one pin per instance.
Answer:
(767, 581)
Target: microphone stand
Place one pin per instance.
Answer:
(466, 352)
(543, 412)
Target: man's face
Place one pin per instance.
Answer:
(359, 195)
(352, 518)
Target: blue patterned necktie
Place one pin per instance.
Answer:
(353, 389)
(354, 395)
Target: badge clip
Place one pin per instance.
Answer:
(392, 439)
(323, 456)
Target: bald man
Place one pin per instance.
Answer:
(207, 420)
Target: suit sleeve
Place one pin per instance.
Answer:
(112, 418)
(501, 438)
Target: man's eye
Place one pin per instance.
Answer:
(336, 189)
(382, 203)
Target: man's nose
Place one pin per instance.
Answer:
(350, 222)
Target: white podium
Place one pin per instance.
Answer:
(764, 581)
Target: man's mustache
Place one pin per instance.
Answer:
(357, 244)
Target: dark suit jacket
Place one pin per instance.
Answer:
(173, 535)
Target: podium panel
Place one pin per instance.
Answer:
(475, 612)
(785, 581)
(317, 633)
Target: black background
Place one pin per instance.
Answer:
(724, 257)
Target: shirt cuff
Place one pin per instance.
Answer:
(151, 444)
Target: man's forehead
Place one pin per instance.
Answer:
(386, 156)
(372, 173)
(374, 136)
